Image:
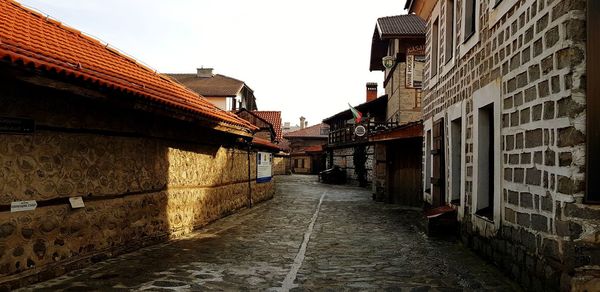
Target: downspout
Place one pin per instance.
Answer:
(249, 179)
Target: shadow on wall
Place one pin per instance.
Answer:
(139, 182)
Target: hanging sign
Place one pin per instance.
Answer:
(360, 130)
(264, 161)
(415, 62)
(20, 206)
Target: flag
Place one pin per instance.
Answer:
(357, 115)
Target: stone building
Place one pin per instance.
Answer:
(348, 146)
(506, 91)
(225, 92)
(100, 155)
(269, 124)
(307, 154)
(397, 49)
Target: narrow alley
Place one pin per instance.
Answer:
(311, 236)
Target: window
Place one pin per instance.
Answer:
(449, 38)
(469, 19)
(434, 47)
(485, 190)
(456, 170)
(301, 163)
(296, 163)
(487, 157)
(592, 194)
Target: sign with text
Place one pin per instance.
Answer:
(414, 71)
(16, 125)
(76, 202)
(264, 161)
(415, 62)
(20, 206)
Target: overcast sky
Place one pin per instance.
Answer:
(307, 57)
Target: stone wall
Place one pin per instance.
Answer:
(139, 187)
(344, 158)
(281, 165)
(545, 236)
(402, 103)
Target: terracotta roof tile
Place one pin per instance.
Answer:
(33, 39)
(259, 142)
(217, 86)
(310, 132)
(274, 118)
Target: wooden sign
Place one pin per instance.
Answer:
(76, 202)
(16, 125)
(20, 206)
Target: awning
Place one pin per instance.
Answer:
(406, 131)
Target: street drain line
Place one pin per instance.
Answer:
(288, 283)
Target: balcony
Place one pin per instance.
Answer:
(348, 134)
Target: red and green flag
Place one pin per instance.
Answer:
(357, 115)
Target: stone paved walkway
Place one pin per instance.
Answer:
(309, 237)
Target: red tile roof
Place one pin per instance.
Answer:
(262, 143)
(273, 118)
(32, 39)
(310, 132)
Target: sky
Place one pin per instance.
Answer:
(304, 58)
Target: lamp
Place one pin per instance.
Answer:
(388, 61)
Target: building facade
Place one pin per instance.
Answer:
(504, 105)
(227, 93)
(97, 161)
(306, 144)
(348, 146)
(398, 49)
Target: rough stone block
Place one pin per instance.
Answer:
(567, 107)
(533, 138)
(539, 222)
(550, 158)
(526, 200)
(552, 37)
(536, 112)
(568, 228)
(534, 176)
(523, 219)
(569, 137)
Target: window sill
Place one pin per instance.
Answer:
(486, 214)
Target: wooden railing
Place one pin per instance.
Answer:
(347, 134)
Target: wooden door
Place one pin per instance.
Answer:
(437, 173)
(404, 169)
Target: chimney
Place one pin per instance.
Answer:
(371, 91)
(204, 72)
(302, 123)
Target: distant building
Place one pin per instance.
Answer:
(348, 144)
(226, 93)
(307, 155)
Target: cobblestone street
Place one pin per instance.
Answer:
(309, 237)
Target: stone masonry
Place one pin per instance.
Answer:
(344, 158)
(140, 188)
(547, 237)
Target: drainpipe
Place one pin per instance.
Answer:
(249, 180)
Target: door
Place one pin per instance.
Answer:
(438, 173)
(405, 183)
